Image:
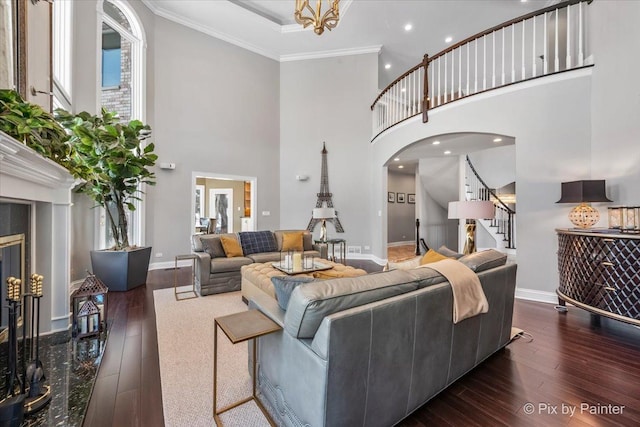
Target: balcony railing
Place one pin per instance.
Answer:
(544, 42)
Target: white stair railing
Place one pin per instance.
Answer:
(548, 41)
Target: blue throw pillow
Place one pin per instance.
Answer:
(284, 286)
(254, 242)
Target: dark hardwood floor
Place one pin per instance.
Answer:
(572, 361)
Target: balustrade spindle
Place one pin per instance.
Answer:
(445, 79)
(484, 63)
(502, 31)
(533, 52)
(493, 60)
(453, 68)
(568, 59)
(468, 66)
(439, 60)
(580, 37)
(459, 71)
(513, 53)
(545, 55)
(556, 59)
(523, 50)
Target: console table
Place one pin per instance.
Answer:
(599, 271)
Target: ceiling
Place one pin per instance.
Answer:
(267, 27)
(447, 146)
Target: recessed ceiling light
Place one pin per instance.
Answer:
(447, 152)
(448, 39)
(396, 159)
(497, 140)
(387, 66)
(408, 27)
(400, 167)
(404, 89)
(435, 142)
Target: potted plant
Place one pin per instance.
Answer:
(36, 128)
(112, 161)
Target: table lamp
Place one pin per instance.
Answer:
(324, 214)
(583, 192)
(471, 210)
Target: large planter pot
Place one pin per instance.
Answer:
(121, 270)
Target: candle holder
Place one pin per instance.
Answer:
(624, 218)
(92, 289)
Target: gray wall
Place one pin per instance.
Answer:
(213, 108)
(402, 216)
(496, 166)
(327, 100)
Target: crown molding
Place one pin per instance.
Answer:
(209, 31)
(289, 28)
(330, 53)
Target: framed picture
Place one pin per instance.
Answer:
(411, 198)
(400, 197)
(391, 197)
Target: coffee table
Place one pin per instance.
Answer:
(240, 327)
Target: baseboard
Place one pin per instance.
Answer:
(165, 265)
(367, 257)
(538, 296)
(408, 242)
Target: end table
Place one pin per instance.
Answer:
(239, 327)
(189, 294)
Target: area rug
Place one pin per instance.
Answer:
(185, 346)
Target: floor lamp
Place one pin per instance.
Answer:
(471, 210)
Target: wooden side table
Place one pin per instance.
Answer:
(182, 295)
(239, 327)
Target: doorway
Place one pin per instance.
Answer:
(239, 193)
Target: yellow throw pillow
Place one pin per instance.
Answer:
(432, 256)
(292, 241)
(231, 246)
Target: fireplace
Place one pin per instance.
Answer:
(35, 201)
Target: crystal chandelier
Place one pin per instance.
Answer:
(319, 21)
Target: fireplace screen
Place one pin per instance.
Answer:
(12, 264)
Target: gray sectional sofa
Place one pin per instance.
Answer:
(215, 273)
(370, 350)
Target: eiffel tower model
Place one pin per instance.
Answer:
(324, 196)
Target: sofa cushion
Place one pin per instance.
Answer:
(484, 260)
(220, 265)
(231, 246)
(443, 250)
(284, 286)
(213, 246)
(310, 304)
(403, 265)
(431, 256)
(254, 242)
(307, 239)
(293, 241)
(265, 257)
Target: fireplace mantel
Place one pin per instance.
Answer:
(25, 174)
(27, 177)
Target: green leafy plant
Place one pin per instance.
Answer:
(36, 128)
(112, 161)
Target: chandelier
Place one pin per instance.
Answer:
(319, 21)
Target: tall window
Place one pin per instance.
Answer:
(62, 53)
(122, 56)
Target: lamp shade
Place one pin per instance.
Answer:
(471, 209)
(583, 192)
(324, 213)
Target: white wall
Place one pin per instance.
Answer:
(615, 104)
(496, 166)
(549, 118)
(327, 100)
(212, 107)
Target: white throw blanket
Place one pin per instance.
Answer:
(468, 297)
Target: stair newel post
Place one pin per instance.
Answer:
(417, 236)
(425, 97)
